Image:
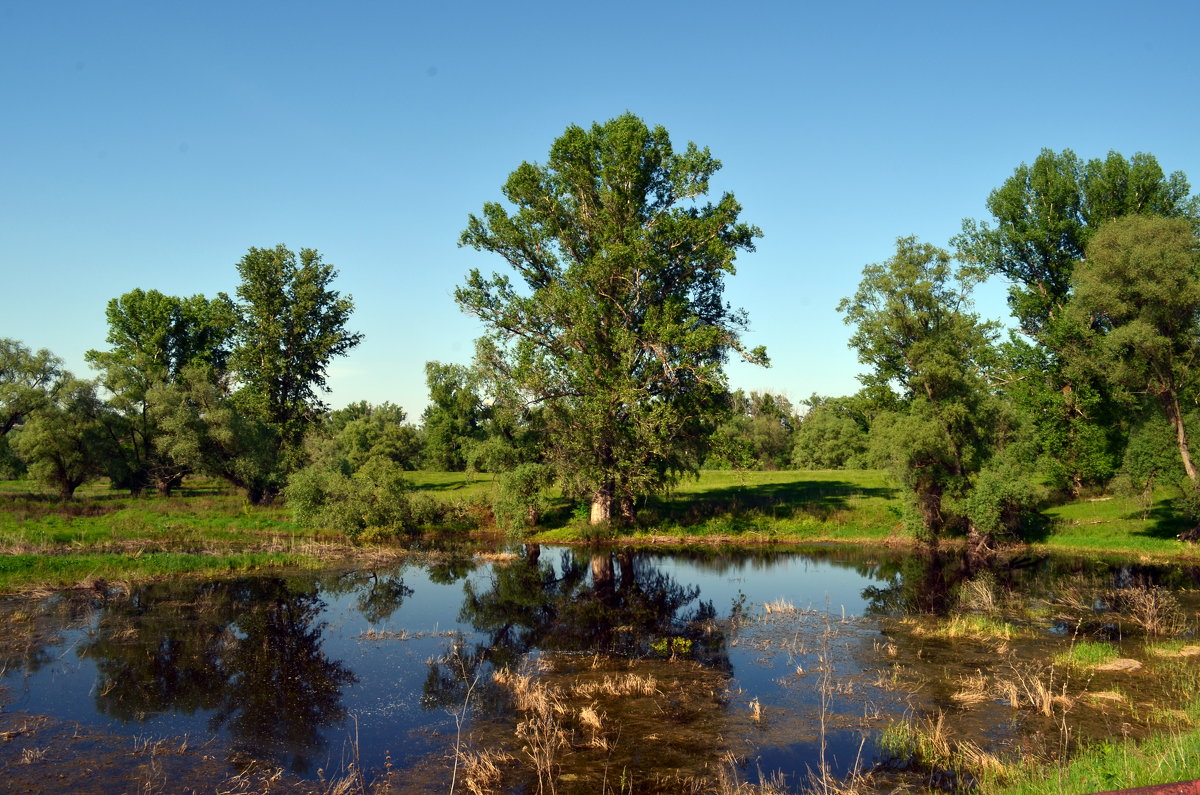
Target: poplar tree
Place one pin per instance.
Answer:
(615, 324)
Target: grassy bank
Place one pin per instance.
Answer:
(204, 527)
(1106, 767)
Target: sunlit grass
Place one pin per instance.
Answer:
(1087, 653)
(1103, 767)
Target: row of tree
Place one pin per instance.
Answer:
(602, 367)
(226, 386)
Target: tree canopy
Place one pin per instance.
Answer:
(616, 326)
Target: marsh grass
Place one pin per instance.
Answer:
(1103, 767)
(974, 627)
(1155, 611)
(928, 743)
(1087, 654)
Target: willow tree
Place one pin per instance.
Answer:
(616, 325)
(1045, 214)
(916, 329)
(1139, 290)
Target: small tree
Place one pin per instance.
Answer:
(616, 328)
(65, 443)
(292, 325)
(27, 381)
(452, 423)
(916, 330)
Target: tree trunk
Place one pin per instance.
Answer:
(602, 505)
(1171, 405)
(628, 510)
(929, 502)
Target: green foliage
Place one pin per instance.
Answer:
(1140, 291)
(833, 434)
(207, 430)
(521, 496)
(27, 381)
(914, 328)
(1005, 494)
(375, 497)
(65, 443)
(1077, 429)
(453, 420)
(360, 432)
(1046, 213)
(291, 326)
(154, 338)
(757, 434)
(617, 330)
(357, 482)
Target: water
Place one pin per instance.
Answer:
(309, 672)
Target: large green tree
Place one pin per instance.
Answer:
(1044, 215)
(292, 325)
(27, 381)
(616, 325)
(915, 329)
(1139, 289)
(153, 338)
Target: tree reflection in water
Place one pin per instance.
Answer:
(247, 650)
(589, 616)
(613, 602)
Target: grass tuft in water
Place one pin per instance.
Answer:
(1087, 654)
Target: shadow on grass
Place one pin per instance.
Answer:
(1164, 522)
(818, 499)
(455, 485)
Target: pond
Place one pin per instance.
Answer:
(594, 670)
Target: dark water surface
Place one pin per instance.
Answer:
(308, 671)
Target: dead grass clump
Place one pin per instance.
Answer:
(779, 606)
(1153, 609)
(979, 594)
(496, 557)
(1032, 687)
(971, 690)
(629, 684)
(482, 771)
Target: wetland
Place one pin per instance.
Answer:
(539, 668)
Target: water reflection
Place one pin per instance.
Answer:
(270, 664)
(248, 651)
(608, 601)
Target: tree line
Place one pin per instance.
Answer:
(601, 370)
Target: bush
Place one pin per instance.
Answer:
(376, 497)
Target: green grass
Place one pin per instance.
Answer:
(807, 506)
(1116, 523)
(1108, 766)
(453, 485)
(973, 626)
(1087, 653)
(853, 506)
(64, 571)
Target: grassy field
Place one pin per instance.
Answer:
(205, 527)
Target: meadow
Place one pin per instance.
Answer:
(205, 527)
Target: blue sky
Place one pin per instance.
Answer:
(150, 144)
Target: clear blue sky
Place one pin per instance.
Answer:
(150, 144)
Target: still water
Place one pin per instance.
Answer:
(750, 663)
